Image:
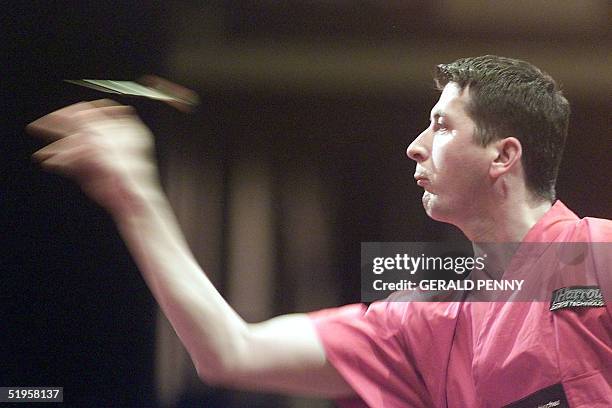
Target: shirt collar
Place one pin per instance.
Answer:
(550, 226)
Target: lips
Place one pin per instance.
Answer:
(422, 180)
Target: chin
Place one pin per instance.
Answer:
(436, 215)
(437, 210)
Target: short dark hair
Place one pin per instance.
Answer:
(510, 97)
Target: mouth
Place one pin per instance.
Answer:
(421, 180)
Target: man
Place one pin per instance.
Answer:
(488, 163)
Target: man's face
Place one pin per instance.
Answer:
(451, 167)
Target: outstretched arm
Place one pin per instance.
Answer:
(109, 152)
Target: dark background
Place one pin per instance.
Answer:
(303, 85)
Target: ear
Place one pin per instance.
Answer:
(508, 153)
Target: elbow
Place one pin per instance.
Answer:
(221, 373)
(225, 365)
(209, 376)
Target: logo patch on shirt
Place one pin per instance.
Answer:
(576, 296)
(549, 397)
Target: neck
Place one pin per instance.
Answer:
(498, 232)
(506, 221)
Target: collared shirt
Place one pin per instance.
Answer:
(490, 354)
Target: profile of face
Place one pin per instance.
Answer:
(451, 167)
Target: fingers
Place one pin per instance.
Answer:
(106, 129)
(61, 123)
(99, 123)
(57, 147)
(64, 162)
(100, 103)
(85, 116)
(67, 156)
(56, 124)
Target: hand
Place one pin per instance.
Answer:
(104, 147)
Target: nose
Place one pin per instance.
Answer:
(417, 150)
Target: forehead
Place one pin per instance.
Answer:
(452, 102)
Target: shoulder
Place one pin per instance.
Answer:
(599, 229)
(560, 224)
(590, 229)
(391, 316)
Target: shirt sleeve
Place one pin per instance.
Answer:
(367, 347)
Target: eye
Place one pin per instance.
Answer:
(439, 125)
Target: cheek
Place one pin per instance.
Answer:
(441, 151)
(459, 168)
(450, 157)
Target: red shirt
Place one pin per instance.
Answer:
(487, 354)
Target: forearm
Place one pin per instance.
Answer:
(208, 327)
(280, 355)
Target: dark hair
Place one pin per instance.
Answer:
(510, 97)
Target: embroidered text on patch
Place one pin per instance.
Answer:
(576, 296)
